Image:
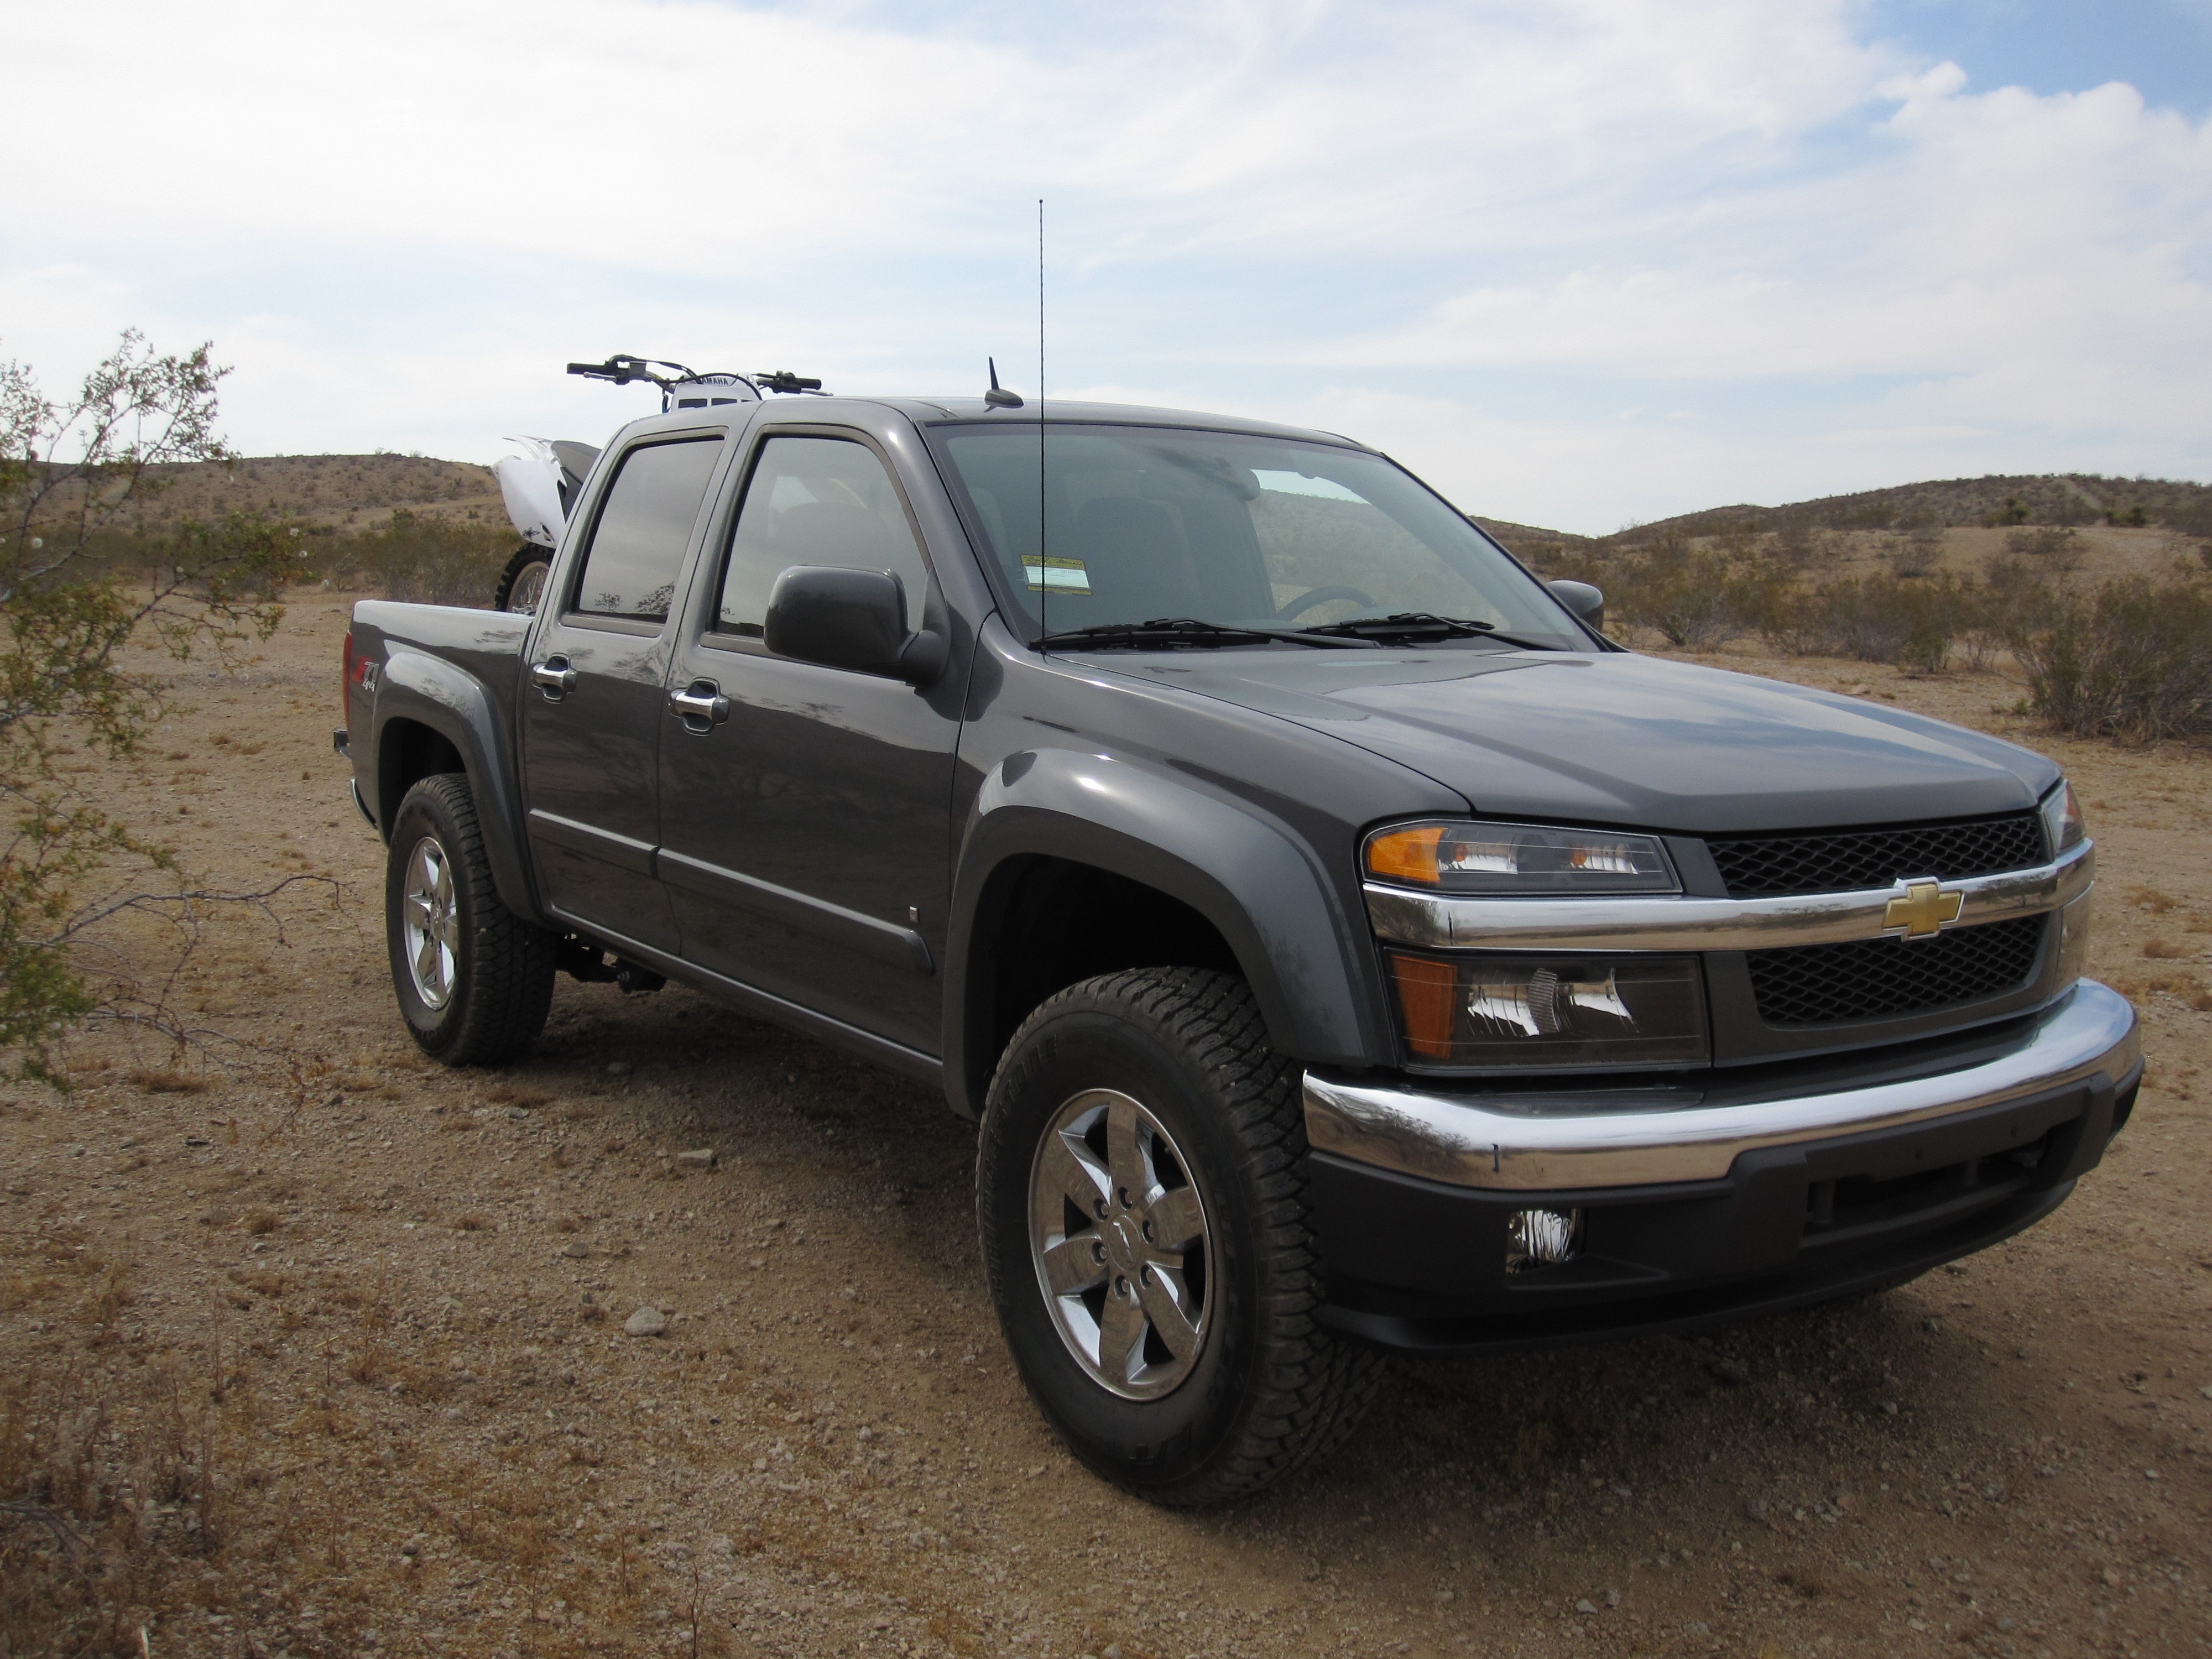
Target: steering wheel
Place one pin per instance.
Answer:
(1306, 602)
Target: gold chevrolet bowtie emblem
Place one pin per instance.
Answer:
(1923, 909)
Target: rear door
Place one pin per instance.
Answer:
(594, 701)
(805, 833)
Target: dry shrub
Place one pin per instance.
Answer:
(471, 1223)
(109, 1505)
(425, 560)
(1913, 624)
(2160, 949)
(1917, 553)
(2191, 989)
(2059, 547)
(261, 1223)
(1884, 619)
(1695, 597)
(2131, 659)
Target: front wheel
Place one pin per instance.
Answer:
(1140, 1198)
(474, 980)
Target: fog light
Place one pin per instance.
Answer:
(1542, 1239)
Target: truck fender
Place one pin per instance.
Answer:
(431, 692)
(1260, 886)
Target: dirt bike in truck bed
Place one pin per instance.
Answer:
(1341, 944)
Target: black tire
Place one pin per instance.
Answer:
(1269, 1389)
(497, 968)
(527, 557)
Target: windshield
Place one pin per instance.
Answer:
(1143, 523)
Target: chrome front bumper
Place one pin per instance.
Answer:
(1528, 1142)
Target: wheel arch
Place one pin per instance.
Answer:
(432, 717)
(1148, 857)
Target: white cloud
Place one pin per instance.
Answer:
(1487, 228)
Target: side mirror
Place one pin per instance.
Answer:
(1585, 601)
(854, 619)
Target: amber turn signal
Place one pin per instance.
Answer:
(1427, 992)
(1406, 855)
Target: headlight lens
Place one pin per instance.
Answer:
(2062, 819)
(1519, 858)
(1500, 1011)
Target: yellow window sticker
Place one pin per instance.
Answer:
(1056, 575)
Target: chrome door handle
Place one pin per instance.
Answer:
(701, 706)
(554, 677)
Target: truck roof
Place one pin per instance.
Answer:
(939, 411)
(962, 411)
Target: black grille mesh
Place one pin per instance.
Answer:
(1875, 858)
(1883, 978)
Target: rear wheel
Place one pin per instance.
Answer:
(473, 979)
(522, 584)
(1141, 1202)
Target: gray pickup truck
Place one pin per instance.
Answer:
(1343, 945)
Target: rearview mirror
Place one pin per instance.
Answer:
(1585, 601)
(851, 619)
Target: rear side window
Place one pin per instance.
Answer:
(816, 500)
(645, 523)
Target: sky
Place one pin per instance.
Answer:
(1578, 263)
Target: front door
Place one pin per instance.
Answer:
(593, 697)
(805, 818)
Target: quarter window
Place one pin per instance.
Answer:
(645, 523)
(817, 501)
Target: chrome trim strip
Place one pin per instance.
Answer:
(1521, 1143)
(1709, 924)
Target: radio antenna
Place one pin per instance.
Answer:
(1044, 566)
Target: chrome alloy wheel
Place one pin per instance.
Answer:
(529, 587)
(1118, 1234)
(428, 922)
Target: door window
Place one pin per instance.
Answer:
(816, 500)
(645, 523)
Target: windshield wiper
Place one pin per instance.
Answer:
(1168, 632)
(1424, 625)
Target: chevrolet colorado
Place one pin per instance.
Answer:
(1342, 944)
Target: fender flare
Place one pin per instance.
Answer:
(453, 702)
(1261, 888)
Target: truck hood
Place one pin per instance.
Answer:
(1621, 739)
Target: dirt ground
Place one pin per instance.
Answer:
(308, 1347)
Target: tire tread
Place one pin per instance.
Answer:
(511, 962)
(1308, 1388)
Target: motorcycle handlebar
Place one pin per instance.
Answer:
(622, 369)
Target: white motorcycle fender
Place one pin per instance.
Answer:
(530, 484)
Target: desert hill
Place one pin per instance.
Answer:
(359, 493)
(346, 492)
(2059, 499)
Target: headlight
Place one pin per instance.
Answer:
(2062, 819)
(1519, 858)
(1500, 1011)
